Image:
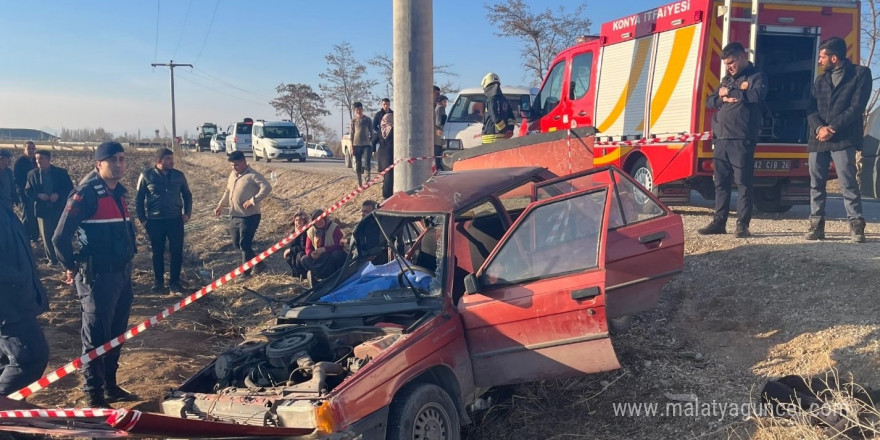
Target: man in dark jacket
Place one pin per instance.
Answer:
(499, 120)
(163, 204)
(23, 165)
(48, 187)
(377, 122)
(735, 126)
(835, 116)
(8, 192)
(97, 215)
(24, 352)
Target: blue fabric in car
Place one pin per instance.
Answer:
(372, 278)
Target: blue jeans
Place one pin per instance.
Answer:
(845, 164)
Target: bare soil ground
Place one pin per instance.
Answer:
(743, 311)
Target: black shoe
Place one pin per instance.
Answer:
(742, 232)
(177, 289)
(96, 401)
(713, 229)
(157, 288)
(117, 393)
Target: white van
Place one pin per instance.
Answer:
(278, 140)
(238, 137)
(464, 120)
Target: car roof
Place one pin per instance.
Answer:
(505, 89)
(275, 123)
(450, 191)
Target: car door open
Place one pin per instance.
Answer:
(536, 308)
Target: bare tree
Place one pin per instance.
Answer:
(346, 79)
(385, 65)
(870, 46)
(545, 33)
(301, 105)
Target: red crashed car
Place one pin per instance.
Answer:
(493, 277)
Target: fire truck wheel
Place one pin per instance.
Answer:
(641, 171)
(423, 411)
(769, 200)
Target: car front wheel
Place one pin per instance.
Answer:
(423, 411)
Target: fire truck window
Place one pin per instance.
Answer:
(550, 96)
(580, 75)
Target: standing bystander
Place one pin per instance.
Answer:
(23, 165)
(163, 204)
(245, 189)
(8, 193)
(385, 156)
(48, 187)
(836, 116)
(361, 133)
(377, 124)
(735, 127)
(97, 215)
(439, 122)
(24, 352)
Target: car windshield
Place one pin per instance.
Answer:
(471, 108)
(412, 265)
(280, 132)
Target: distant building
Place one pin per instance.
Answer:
(26, 134)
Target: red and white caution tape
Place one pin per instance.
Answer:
(75, 364)
(684, 137)
(69, 413)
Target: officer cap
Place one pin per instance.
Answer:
(107, 149)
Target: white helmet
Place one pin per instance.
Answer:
(489, 79)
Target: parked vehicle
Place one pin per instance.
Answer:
(464, 121)
(206, 131)
(238, 137)
(345, 143)
(218, 142)
(319, 150)
(649, 74)
(278, 140)
(502, 276)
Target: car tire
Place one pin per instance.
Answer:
(423, 410)
(256, 156)
(302, 159)
(347, 159)
(769, 200)
(290, 159)
(268, 160)
(642, 172)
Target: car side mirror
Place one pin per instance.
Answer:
(471, 285)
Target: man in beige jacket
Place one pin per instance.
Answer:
(245, 189)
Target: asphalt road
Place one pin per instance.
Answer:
(331, 165)
(833, 207)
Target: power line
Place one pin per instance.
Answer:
(226, 83)
(156, 50)
(215, 90)
(183, 29)
(214, 14)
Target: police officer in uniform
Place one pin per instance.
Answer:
(97, 214)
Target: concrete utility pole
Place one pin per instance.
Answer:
(413, 78)
(175, 145)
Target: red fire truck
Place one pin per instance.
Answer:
(647, 76)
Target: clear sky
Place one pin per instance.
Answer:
(86, 63)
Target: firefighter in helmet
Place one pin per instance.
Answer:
(499, 120)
